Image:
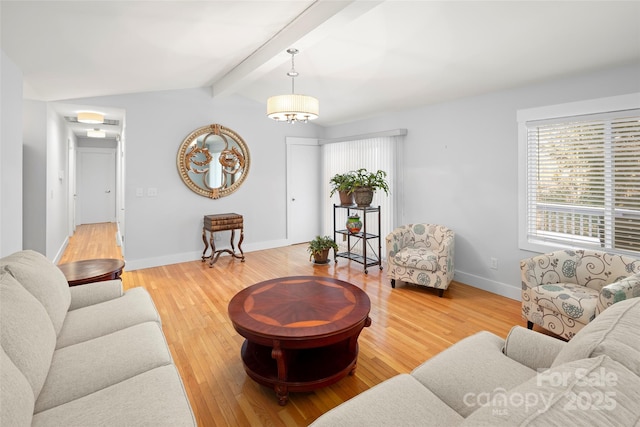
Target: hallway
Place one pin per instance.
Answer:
(92, 241)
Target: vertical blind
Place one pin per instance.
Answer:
(379, 153)
(583, 181)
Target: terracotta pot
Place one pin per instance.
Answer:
(322, 257)
(346, 198)
(363, 196)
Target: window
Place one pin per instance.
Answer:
(581, 180)
(373, 153)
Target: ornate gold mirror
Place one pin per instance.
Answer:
(213, 161)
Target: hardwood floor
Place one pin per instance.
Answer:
(409, 325)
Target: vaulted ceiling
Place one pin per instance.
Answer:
(360, 58)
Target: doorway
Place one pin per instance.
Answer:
(96, 185)
(303, 189)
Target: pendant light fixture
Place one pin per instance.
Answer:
(294, 107)
(90, 117)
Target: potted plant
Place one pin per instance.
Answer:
(365, 183)
(319, 249)
(342, 183)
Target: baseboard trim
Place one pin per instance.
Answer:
(140, 264)
(63, 247)
(488, 285)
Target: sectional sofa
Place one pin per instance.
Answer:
(83, 356)
(528, 379)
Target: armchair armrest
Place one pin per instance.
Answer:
(532, 349)
(623, 289)
(94, 293)
(396, 241)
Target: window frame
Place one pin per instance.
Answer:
(593, 106)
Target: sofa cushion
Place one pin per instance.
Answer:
(472, 366)
(134, 307)
(44, 280)
(614, 332)
(16, 394)
(95, 293)
(84, 368)
(398, 401)
(595, 392)
(574, 301)
(149, 399)
(26, 332)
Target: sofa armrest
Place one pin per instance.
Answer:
(532, 349)
(629, 287)
(94, 293)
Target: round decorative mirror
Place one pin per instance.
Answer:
(213, 161)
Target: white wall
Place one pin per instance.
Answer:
(461, 167)
(35, 175)
(10, 156)
(59, 137)
(168, 228)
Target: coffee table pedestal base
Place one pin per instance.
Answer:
(294, 370)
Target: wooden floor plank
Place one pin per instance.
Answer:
(409, 325)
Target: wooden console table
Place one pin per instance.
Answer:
(222, 222)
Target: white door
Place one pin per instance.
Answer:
(303, 189)
(96, 185)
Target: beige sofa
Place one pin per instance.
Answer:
(527, 379)
(82, 356)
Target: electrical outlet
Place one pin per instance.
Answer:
(493, 263)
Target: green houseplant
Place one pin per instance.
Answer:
(342, 183)
(365, 183)
(319, 249)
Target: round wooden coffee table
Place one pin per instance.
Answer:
(301, 332)
(92, 270)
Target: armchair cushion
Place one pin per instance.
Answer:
(417, 257)
(574, 301)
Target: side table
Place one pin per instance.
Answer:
(222, 222)
(92, 270)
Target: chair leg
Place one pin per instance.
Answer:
(529, 324)
(393, 283)
(440, 292)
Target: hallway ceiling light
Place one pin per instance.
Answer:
(89, 117)
(293, 108)
(96, 133)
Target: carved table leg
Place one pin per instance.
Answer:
(240, 244)
(282, 391)
(214, 256)
(233, 236)
(206, 243)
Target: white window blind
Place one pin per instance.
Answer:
(379, 153)
(583, 181)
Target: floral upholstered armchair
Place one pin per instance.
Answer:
(564, 290)
(421, 254)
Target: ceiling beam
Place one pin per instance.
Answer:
(312, 25)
